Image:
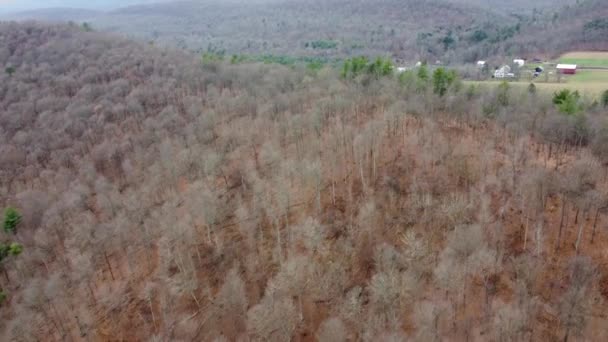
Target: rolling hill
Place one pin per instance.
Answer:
(334, 29)
(319, 28)
(149, 195)
(16, 6)
(453, 31)
(582, 26)
(57, 14)
(518, 7)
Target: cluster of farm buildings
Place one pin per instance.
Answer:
(504, 71)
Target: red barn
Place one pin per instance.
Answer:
(567, 69)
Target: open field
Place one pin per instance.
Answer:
(588, 82)
(593, 89)
(586, 59)
(586, 54)
(594, 76)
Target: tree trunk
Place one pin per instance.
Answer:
(198, 304)
(361, 174)
(50, 318)
(105, 255)
(561, 224)
(333, 192)
(54, 309)
(597, 214)
(464, 289)
(92, 293)
(580, 233)
(279, 243)
(152, 312)
(8, 281)
(526, 232)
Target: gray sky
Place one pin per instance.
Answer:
(21, 5)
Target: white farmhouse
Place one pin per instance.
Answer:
(503, 72)
(519, 62)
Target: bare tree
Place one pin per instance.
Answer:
(273, 319)
(466, 253)
(509, 322)
(332, 329)
(574, 307)
(427, 316)
(231, 302)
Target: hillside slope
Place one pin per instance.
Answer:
(517, 6)
(165, 199)
(453, 31)
(58, 14)
(582, 26)
(331, 29)
(12, 7)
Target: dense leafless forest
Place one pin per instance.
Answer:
(452, 31)
(291, 27)
(155, 197)
(581, 26)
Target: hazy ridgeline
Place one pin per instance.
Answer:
(458, 31)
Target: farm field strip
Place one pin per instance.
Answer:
(583, 59)
(593, 89)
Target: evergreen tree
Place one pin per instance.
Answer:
(11, 220)
(568, 102)
(7, 249)
(605, 99)
(503, 94)
(440, 82)
(423, 72)
(443, 80)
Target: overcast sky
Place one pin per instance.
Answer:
(21, 5)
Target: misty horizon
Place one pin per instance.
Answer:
(8, 6)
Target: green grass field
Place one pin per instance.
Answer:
(594, 76)
(586, 59)
(586, 62)
(592, 89)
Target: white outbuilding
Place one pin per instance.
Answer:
(519, 62)
(503, 72)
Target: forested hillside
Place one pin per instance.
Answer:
(452, 31)
(325, 29)
(337, 29)
(12, 6)
(518, 6)
(155, 197)
(582, 26)
(60, 14)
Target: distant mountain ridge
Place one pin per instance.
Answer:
(583, 26)
(448, 30)
(15, 6)
(57, 14)
(517, 6)
(383, 27)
